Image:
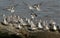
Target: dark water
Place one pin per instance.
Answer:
(50, 8)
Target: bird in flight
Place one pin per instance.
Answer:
(35, 6)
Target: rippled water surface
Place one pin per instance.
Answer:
(50, 8)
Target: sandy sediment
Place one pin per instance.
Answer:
(11, 32)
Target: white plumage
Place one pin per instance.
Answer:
(33, 26)
(39, 25)
(5, 21)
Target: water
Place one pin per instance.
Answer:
(50, 8)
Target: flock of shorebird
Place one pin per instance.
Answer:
(19, 22)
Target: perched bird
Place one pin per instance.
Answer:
(19, 26)
(46, 26)
(53, 25)
(33, 26)
(23, 22)
(40, 25)
(5, 20)
(33, 15)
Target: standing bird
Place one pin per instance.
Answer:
(23, 22)
(19, 26)
(33, 26)
(28, 21)
(5, 20)
(33, 15)
(53, 25)
(45, 25)
(40, 25)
